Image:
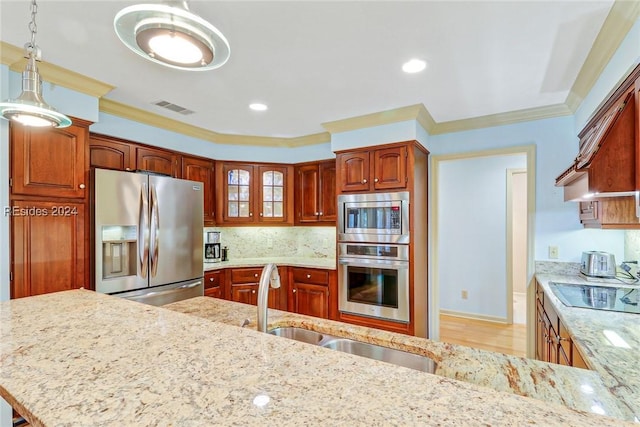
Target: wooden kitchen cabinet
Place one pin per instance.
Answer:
(243, 287)
(49, 251)
(309, 292)
(553, 342)
(158, 161)
(48, 162)
(214, 283)
(378, 169)
(201, 170)
(256, 194)
(610, 212)
(107, 152)
(315, 193)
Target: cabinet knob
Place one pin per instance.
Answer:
(82, 186)
(320, 213)
(127, 169)
(211, 279)
(250, 213)
(308, 276)
(364, 181)
(253, 291)
(317, 213)
(294, 291)
(260, 213)
(375, 180)
(255, 275)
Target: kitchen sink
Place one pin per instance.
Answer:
(359, 348)
(298, 334)
(385, 354)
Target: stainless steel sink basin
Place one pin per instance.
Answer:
(390, 355)
(345, 345)
(298, 334)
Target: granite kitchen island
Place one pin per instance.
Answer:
(82, 358)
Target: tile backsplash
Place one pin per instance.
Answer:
(632, 245)
(259, 242)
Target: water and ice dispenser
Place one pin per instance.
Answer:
(119, 251)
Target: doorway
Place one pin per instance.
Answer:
(517, 246)
(472, 270)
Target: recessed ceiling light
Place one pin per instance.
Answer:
(414, 66)
(257, 106)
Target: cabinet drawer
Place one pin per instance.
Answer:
(212, 279)
(308, 275)
(246, 275)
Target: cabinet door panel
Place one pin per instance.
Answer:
(390, 168)
(354, 170)
(49, 162)
(158, 161)
(307, 193)
(202, 171)
(110, 154)
(48, 251)
(328, 199)
(247, 293)
(312, 300)
(237, 192)
(273, 194)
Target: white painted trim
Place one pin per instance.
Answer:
(509, 264)
(475, 316)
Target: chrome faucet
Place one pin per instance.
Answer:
(271, 277)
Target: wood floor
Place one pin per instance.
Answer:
(507, 339)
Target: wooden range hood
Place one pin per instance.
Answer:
(608, 161)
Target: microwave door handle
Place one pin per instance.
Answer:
(400, 265)
(143, 231)
(155, 225)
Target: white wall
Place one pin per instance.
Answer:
(472, 233)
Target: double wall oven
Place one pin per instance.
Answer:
(373, 255)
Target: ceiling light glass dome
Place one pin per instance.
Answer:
(171, 35)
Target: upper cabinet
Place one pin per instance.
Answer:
(255, 193)
(107, 152)
(201, 170)
(158, 161)
(49, 162)
(373, 169)
(315, 197)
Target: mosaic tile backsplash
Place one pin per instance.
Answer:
(258, 242)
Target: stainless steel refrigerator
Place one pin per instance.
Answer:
(148, 236)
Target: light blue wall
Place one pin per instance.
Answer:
(377, 135)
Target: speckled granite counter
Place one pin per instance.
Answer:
(82, 358)
(617, 363)
(576, 388)
(324, 263)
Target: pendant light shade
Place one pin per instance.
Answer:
(30, 109)
(171, 35)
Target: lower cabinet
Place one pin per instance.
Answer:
(243, 287)
(309, 292)
(49, 252)
(214, 284)
(553, 342)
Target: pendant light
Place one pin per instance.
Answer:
(29, 108)
(171, 35)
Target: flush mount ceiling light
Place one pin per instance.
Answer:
(257, 106)
(29, 108)
(414, 66)
(171, 35)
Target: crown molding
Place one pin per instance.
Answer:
(375, 119)
(501, 119)
(14, 57)
(621, 18)
(119, 109)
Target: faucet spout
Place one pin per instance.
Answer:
(269, 278)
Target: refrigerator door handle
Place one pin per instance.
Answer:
(154, 229)
(143, 234)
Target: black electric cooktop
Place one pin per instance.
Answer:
(623, 299)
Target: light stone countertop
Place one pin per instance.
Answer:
(310, 262)
(619, 366)
(575, 388)
(79, 358)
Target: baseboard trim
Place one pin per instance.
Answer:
(474, 316)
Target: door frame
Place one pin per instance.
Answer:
(434, 282)
(510, 173)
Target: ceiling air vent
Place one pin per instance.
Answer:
(173, 107)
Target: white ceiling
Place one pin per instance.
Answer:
(320, 61)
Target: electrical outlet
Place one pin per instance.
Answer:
(553, 252)
(465, 294)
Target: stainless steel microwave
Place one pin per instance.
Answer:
(374, 217)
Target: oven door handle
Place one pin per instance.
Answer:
(373, 263)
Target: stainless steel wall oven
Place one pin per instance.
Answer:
(374, 280)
